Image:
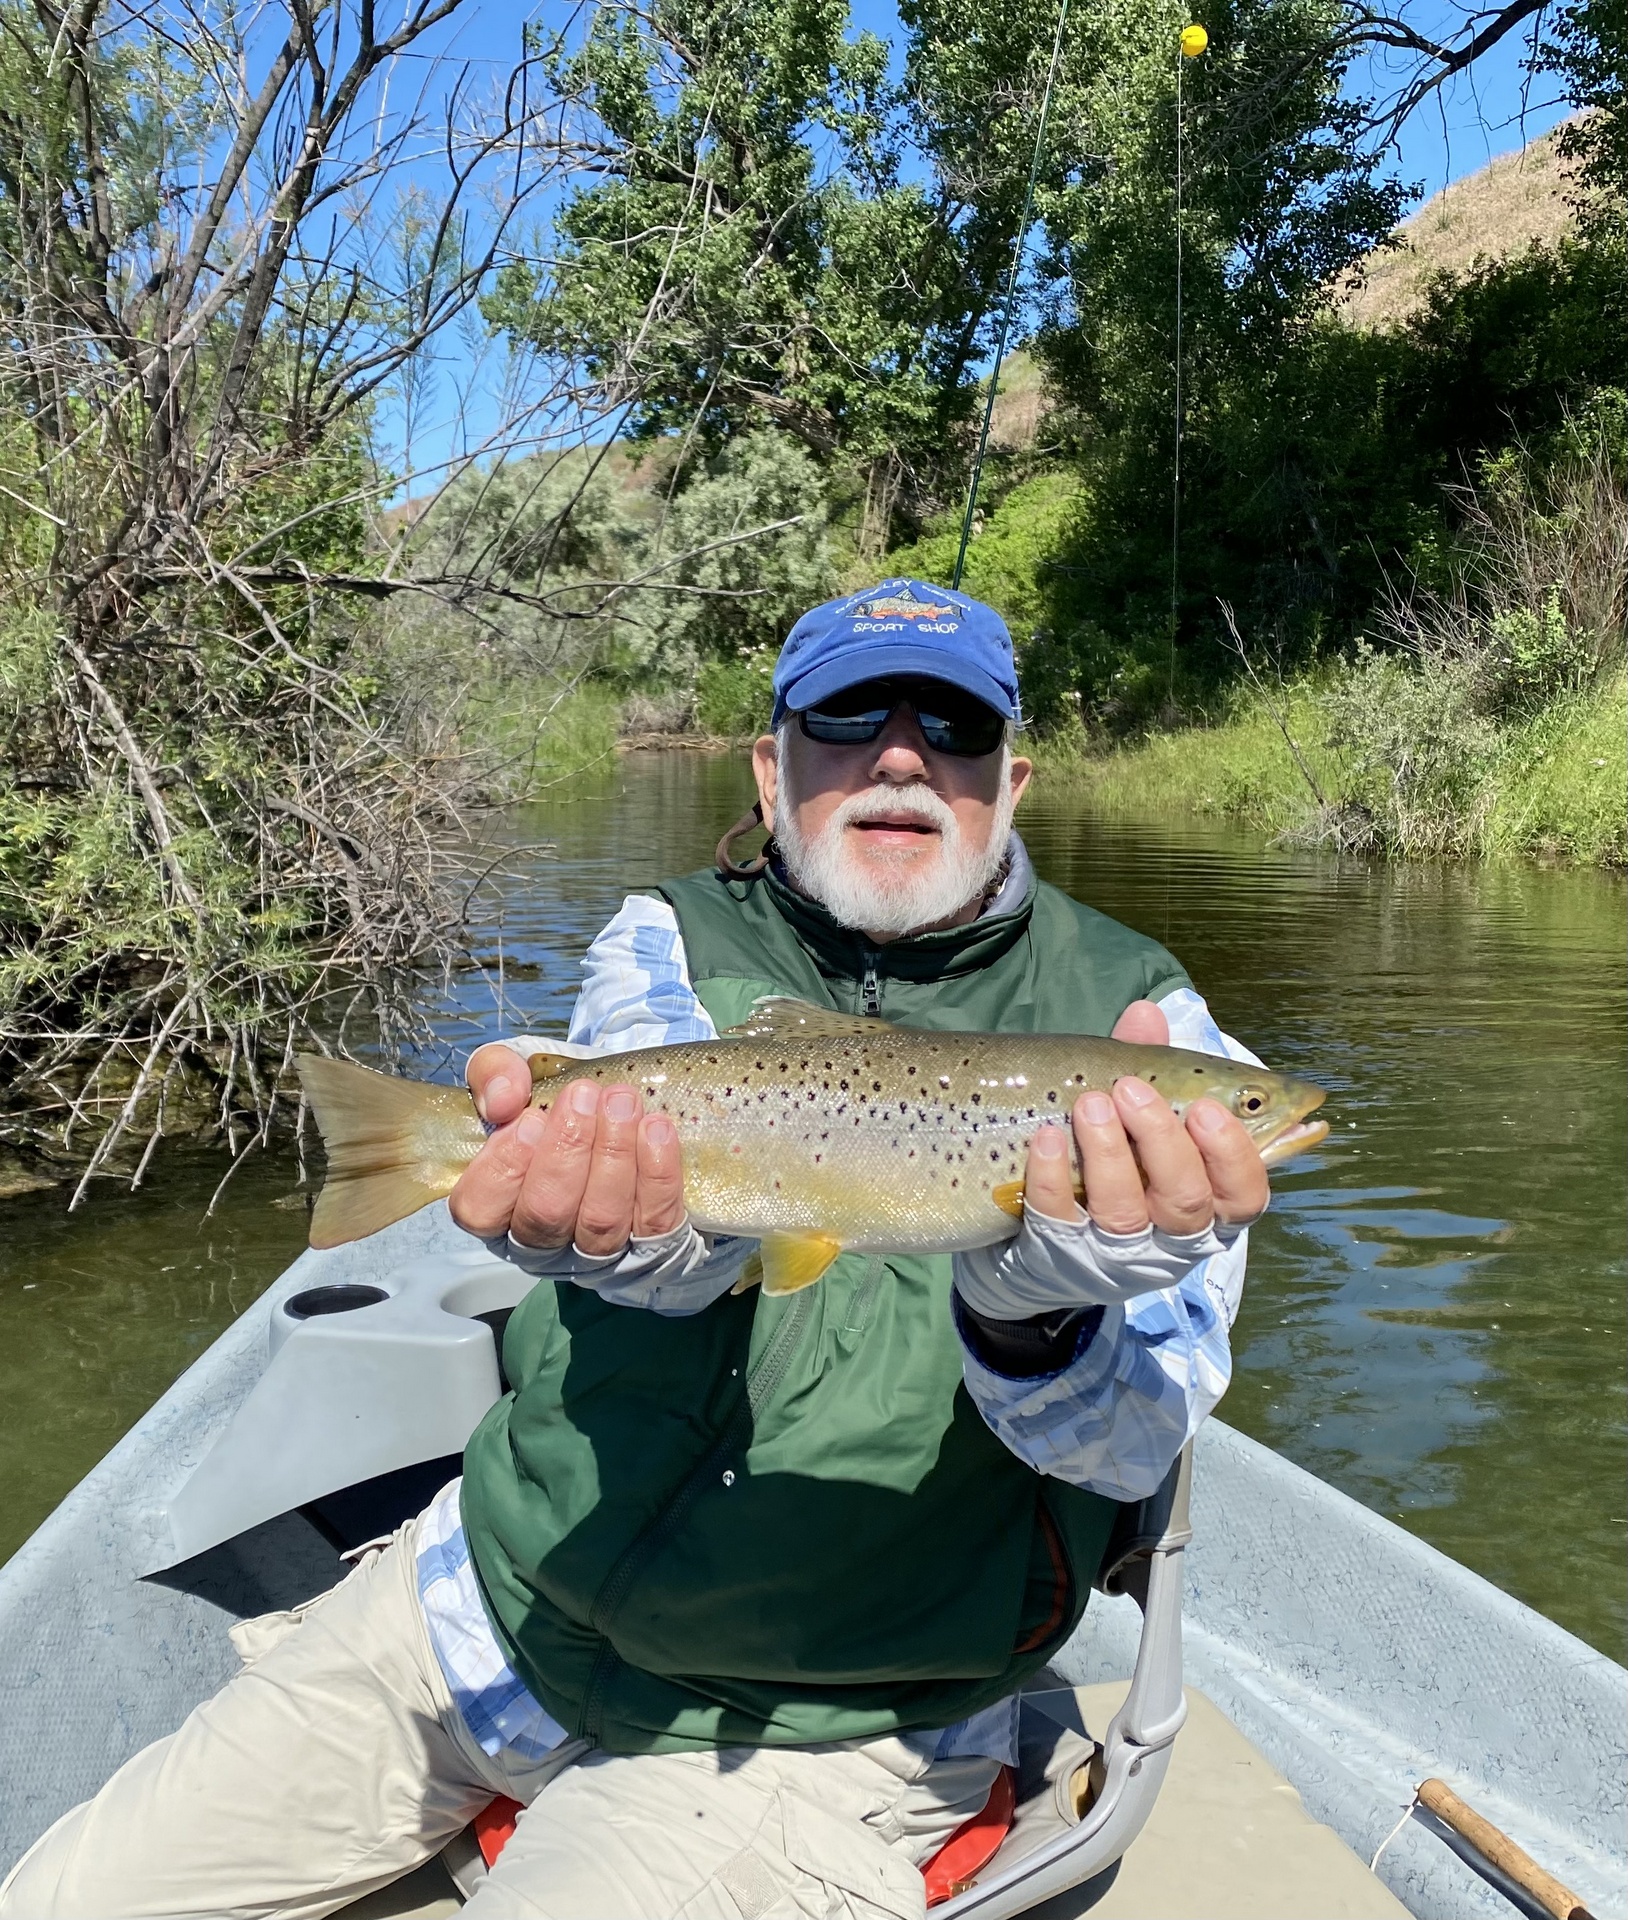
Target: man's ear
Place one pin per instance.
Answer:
(1022, 774)
(766, 772)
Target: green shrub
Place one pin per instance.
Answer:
(533, 734)
(734, 698)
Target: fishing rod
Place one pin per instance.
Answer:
(1011, 293)
(1192, 43)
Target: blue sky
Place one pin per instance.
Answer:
(1495, 108)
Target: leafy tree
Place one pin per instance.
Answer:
(756, 247)
(1590, 51)
(1277, 200)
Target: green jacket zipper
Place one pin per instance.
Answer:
(871, 986)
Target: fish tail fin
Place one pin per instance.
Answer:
(393, 1145)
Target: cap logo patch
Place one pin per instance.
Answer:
(901, 606)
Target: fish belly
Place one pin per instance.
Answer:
(874, 1189)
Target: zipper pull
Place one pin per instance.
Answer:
(870, 987)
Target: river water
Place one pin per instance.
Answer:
(1435, 1319)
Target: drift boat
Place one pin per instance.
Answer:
(1332, 1662)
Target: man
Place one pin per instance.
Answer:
(735, 1593)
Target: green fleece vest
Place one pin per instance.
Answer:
(783, 1521)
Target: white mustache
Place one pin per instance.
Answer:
(877, 803)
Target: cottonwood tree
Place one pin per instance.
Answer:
(763, 238)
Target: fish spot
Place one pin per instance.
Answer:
(1052, 1096)
(876, 1086)
(910, 1073)
(955, 1183)
(977, 1099)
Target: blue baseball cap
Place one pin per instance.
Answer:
(899, 627)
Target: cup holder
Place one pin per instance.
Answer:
(344, 1298)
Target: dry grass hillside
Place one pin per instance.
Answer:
(1516, 199)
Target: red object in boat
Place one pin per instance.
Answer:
(973, 1845)
(494, 1825)
(965, 1854)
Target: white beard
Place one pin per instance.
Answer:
(896, 892)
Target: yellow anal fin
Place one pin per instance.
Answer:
(1008, 1196)
(792, 1261)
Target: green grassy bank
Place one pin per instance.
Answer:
(1551, 785)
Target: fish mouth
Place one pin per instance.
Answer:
(1300, 1138)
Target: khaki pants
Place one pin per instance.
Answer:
(337, 1761)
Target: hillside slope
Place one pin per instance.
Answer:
(1514, 200)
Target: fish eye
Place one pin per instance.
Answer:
(1248, 1100)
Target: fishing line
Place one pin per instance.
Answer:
(1011, 294)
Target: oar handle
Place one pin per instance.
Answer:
(1497, 1846)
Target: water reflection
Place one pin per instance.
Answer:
(1435, 1319)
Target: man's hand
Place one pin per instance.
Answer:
(1141, 1164)
(594, 1170)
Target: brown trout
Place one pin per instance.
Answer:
(813, 1132)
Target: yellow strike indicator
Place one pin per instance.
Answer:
(1193, 41)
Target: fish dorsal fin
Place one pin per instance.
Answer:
(779, 1017)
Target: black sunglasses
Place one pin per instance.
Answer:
(951, 721)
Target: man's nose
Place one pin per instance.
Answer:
(901, 752)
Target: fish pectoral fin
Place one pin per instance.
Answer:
(1008, 1196)
(778, 1016)
(792, 1261)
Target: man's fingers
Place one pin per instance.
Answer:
(500, 1082)
(483, 1200)
(1232, 1161)
(1143, 1025)
(1178, 1193)
(1113, 1181)
(1048, 1177)
(605, 1217)
(545, 1212)
(658, 1205)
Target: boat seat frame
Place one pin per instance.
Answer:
(1144, 1559)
